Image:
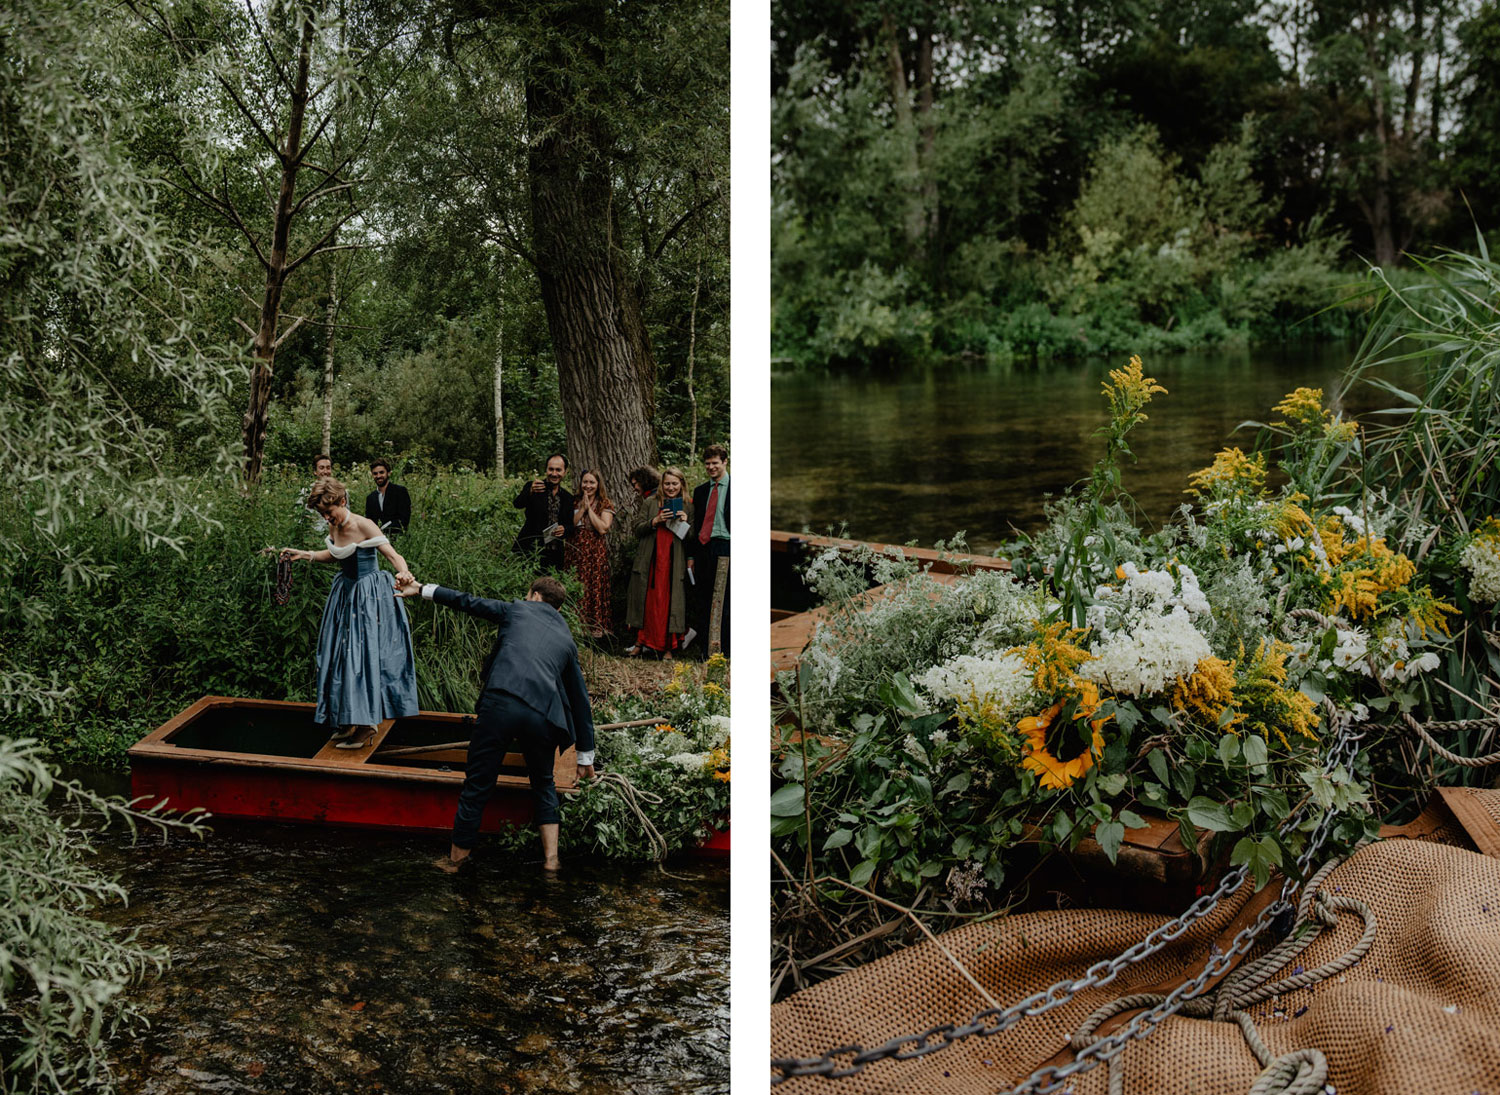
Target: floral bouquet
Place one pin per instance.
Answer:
(1199, 673)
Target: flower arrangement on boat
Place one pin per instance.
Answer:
(1196, 671)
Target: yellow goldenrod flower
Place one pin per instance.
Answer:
(1207, 693)
(1304, 406)
(1231, 475)
(1129, 392)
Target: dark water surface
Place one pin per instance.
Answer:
(315, 960)
(920, 457)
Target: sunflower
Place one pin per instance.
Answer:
(1054, 772)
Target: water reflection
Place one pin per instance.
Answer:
(921, 457)
(314, 960)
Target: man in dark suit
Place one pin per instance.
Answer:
(388, 505)
(532, 700)
(549, 515)
(709, 542)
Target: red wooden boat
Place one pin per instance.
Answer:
(266, 760)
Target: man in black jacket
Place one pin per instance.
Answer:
(549, 515)
(532, 700)
(388, 505)
(709, 543)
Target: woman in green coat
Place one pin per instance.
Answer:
(656, 601)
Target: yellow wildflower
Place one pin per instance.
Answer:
(1207, 693)
(1291, 520)
(1270, 708)
(1305, 406)
(1231, 475)
(1054, 657)
(1340, 430)
(722, 777)
(713, 688)
(665, 728)
(1130, 392)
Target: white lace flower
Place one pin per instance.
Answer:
(1482, 559)
(1148, 658)
(1001, 678)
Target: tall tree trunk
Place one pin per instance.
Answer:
(927, 137)
(333, 318)
(913, 219)
(692, 347)
(253, 428)
(500, 383)
(605, 368)
(1380, 212)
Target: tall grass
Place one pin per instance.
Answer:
(1436, 452)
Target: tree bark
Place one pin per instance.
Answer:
(692, 346)
(253, 428)
(333, 318)
(914, 218)
(500, 382)
(605, 368)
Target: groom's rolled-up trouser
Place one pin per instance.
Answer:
(504, 724)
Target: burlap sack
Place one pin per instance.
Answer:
(1419, 1013)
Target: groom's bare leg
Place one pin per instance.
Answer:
(550, 862)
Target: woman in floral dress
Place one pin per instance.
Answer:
(587, 555)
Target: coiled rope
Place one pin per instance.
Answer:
(1300, 1072)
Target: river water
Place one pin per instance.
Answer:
(312, 960)
(977, 448)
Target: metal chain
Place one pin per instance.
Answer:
(991, 1021)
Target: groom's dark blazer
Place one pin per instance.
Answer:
(535, 660)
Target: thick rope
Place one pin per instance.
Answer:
(1448, 755)
(632, 796)
(1300, 1072)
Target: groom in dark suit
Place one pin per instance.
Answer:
(709, 543)
(533, 701)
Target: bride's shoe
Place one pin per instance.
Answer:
(343, 735)
(353, 741)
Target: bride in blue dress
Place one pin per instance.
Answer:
(366, 672)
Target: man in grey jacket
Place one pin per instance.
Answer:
(532, 701)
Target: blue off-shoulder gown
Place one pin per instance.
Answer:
(366, 672)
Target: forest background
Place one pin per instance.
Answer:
(458, 235)
(996, 179)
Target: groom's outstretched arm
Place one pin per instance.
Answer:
(482, 607)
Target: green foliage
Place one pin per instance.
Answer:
(62, 973)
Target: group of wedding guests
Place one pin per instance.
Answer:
(681, 543)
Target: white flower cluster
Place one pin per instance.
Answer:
(1146, 632)
(1353, 652)
(714, 730)
(1147, 658)
(1482, 559)
(1001, 678)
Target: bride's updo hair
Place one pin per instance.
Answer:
(326, 492)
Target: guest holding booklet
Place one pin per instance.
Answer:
(549, 516)
(656, 602)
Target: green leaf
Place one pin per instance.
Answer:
(837, 839)
(1229, 749)
(787, 801)
(962, 845)
(1255, 750)
(1158, 762)
(1109, 835)
(902, 696)
(862, 872)
(957, 784)
(1112, 785)
(1205, 813)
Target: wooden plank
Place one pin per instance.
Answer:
(938, 562)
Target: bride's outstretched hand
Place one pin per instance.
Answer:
(288, 554)
(407, 586)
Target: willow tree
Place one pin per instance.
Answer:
(260, 104)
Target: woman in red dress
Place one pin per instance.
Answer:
(586, 553)
(657, 599)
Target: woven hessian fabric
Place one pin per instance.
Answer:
(1420, 1012)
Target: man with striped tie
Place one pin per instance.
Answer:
(709, 543)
